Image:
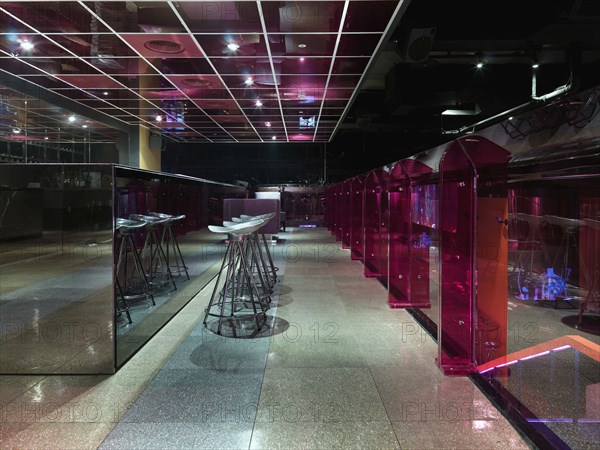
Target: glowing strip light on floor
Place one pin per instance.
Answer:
(579, 343)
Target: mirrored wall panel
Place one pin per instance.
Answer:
(95, 259)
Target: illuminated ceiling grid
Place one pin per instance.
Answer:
(200, 71)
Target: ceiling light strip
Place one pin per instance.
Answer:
(391, 25)
(93, 13)
(268, 47)
(191, 34)
(335, 48)
(79, 58)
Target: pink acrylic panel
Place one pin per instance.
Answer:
(339, 210)
(423, 229)
(474, 296)
(347, 214)
(372, 222)
(357, 234)
(399, 236)
(457, 241)
(382, 263)
(328, 208)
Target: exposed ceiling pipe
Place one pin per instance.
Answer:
(559, 92)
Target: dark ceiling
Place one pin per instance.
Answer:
(429, 65)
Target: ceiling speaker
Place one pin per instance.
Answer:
(418, 44)
(155, 141)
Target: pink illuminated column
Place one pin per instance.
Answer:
(357, 234)
(372, 222)
(423, 230)
(330, 208)
(399, 235)
(339, 210)
(474, 248)
(347, 213)
(384, 218)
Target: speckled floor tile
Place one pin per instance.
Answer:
(324, 435)
(460, 435)
(12, 386)
(198, 395)
(178, 436)
(316, 345)
(220, 354)
(297, 395)
(64, 436)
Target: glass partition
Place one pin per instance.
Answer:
(550, 363)
(339, 211)
(80, 291)
(347, 214)
(424, 241)
(357, 232)
(371, 222)
(400, 243)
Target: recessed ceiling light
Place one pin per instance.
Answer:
(233, 46)
(249, 81)
(479, 65)
(16, 130)
(535, 65)
(84, 126)
(511, 118)
(267, 124)
(302, 59)
(72, 119)
(274, 138)
(258, 103)
(45, 138)
(26, 45)
(301, 112)
(105, 93)
(158, 118)
(301, 45)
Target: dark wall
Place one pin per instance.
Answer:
(349, 154)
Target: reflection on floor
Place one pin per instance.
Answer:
(53, 303)
(336, 369)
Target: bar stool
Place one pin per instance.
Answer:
(259, 267)
(170, 244)
(243, 295)
(267, 217)
(153, 255)
(136, 285)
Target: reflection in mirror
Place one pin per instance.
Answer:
(55, 264)
(95, 259)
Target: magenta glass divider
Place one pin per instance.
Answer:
(339, 210)
(357, 234)
(457, 242)
(371, 220)
(347, 214)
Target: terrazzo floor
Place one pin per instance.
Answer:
(336, 368)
